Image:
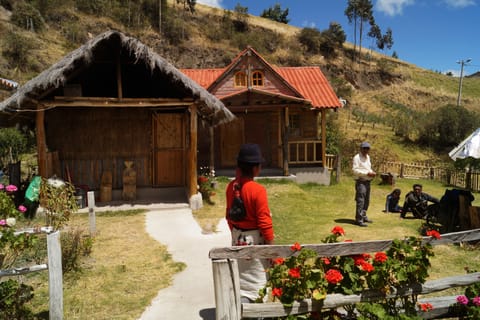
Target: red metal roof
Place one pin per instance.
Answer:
(310, 82)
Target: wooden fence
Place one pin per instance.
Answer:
(227, 290)
(465, 179)
(54, 267)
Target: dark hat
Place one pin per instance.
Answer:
(250, 153)
(365, 145)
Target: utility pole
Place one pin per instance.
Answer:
(462, 63)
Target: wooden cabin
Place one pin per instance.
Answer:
(283, 109)
(114, 100)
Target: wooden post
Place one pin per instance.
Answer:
(41, 144)
(91, 213)
(55, 276)
(324, 138)
(192, 152)
(226, 283)
(285, 136)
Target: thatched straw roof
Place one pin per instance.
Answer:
(210, 108)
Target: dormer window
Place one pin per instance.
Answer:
(240, 79)
(257, 79)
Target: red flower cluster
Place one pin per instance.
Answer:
(333, 276)
(296, 247)
(278, 261)
(202, 179)
(361, 260)
(338, 231)
(426, 307)
(294, 273)
(380, 257)
(277, 292)
(326, 261)
(433, 233)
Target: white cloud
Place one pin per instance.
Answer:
(211, 3)
(308, 24)
(459, 3)
(394, 7)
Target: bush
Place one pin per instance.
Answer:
(75, 244)
(17, 50)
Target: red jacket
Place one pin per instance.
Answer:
(254, 196)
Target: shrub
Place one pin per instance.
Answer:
(17, 50)
(75, 244)
(14, 297)
(58, 200)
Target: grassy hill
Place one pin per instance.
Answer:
(376, 87)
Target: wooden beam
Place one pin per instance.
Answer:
(324, 137)
(115, 102)
(192, 152)
(285, 139)
(41, 144)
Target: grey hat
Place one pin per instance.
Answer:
(365, 145)
(250, 153)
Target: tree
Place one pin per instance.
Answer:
(240, 21)
(359, 12)
(276, 13)
(311, 38)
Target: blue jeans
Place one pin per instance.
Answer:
(362, 198)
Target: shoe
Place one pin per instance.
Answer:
(367, 220)
(362, 224)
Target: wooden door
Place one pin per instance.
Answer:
(169, 149)
(231, 138)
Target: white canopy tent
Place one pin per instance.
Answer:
(470, 147)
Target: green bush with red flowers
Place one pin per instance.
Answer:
(305, 275)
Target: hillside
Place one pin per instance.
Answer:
(374, 88)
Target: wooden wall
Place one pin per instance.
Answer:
(91, 141)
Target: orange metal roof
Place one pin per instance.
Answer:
(8, 84)
(308, 81)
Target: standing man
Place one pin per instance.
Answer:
(362, 170)
(255, 226)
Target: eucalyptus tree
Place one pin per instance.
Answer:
(359, 12)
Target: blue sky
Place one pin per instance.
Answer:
(432, 34)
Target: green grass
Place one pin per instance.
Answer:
(306, 214)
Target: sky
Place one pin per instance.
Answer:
(435, 35)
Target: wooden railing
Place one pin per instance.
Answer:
(227, 291)
(305, 152)
(465, 179)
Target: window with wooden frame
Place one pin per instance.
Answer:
(240, 79)
(257, 79)
(294, 125)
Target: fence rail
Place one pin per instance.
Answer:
(227, 291)
(465, 179)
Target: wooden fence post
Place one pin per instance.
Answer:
(227, 289)
(91, 213)
(55, 276)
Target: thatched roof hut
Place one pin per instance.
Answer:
(111, 101)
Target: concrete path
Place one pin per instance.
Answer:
(191, 296)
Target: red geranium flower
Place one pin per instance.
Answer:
(433, 233)
(326, 261)
(278, 261)
(338, 231)
(296, 247)
(380, 257)
(277, 292)
(426, 307)
(358, 259)
(367, 266)
(333, 276)
(294, 273)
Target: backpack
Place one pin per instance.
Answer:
(237, 211)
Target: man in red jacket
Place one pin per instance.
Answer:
(256, 227)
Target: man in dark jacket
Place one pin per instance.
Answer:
(416, 201)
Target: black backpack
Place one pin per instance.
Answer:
(237, 211)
